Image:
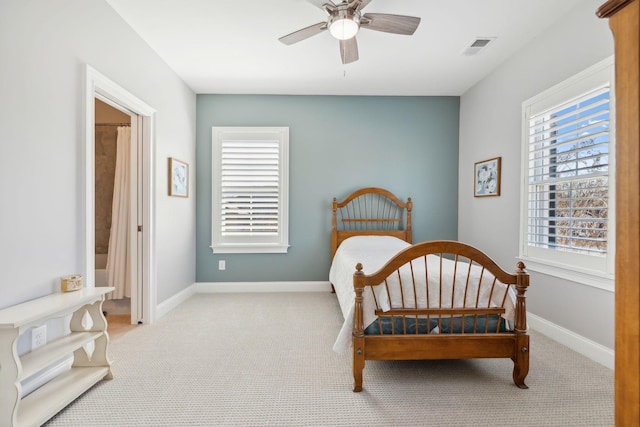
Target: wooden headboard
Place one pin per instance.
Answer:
(370, 211)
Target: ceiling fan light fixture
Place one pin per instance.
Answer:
(344, 20)
(344, 24)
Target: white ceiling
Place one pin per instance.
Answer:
(232, 46)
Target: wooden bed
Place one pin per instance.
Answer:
(432, 300)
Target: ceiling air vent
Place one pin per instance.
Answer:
(477, 45)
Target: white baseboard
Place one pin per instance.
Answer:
(228, 287)
(591, 349)
(169, 304)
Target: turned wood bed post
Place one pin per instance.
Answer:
(334, 228)
(521, 351)
(334, 235)
(408, 227)
(358, 329)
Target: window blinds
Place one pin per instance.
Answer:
(250, 187)
(568, 175)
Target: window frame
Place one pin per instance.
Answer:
(278, 243)
(585, 269)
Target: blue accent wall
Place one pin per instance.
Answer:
(337, 144)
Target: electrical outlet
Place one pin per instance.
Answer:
(38, 337)
(222, 264)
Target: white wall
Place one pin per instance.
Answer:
(44, 48)
(490, 120)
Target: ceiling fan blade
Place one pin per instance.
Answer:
(321, 4)
(304, 33)
(349, 50)
(396, 24)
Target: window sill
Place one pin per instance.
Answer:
(579, 275)
(250, 249)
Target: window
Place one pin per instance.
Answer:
(250, 182)
(567, 226)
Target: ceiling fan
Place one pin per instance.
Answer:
(344, 21)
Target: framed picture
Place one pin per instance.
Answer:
(487, 178)
(178, 178)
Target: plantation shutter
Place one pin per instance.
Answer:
(250, 187)
(568, 175)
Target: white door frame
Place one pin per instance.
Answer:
(98, 85)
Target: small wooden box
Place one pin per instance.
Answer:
(72, 283)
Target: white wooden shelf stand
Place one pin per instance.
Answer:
(86, 370)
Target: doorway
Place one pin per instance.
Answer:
(115, 205)
(101, 93)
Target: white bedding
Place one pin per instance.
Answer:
(373, 252)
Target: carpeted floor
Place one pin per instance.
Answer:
(266, 360)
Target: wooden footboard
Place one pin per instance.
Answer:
(442, 300)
